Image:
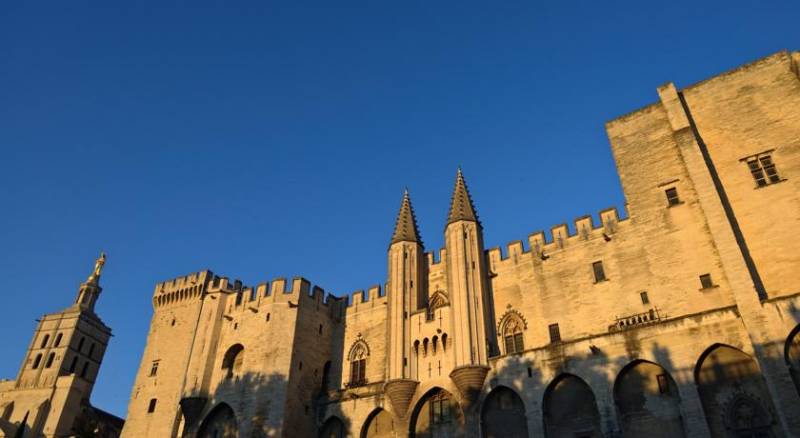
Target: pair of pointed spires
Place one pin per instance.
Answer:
(461, 209)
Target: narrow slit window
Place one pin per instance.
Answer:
(154, 368)
(706, 282)
(672, 196)
(151, 407)
(663, 383)
(599, 272)
(555, 333)
(644, 297)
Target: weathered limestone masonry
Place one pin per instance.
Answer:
(50, 396)
(678, 319)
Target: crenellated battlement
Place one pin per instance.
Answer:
(183, 288)
(373, 296)
(560, 237)
(433, 258)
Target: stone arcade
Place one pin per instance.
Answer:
(679, 319)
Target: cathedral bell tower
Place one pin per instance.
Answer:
(467, 285)
(406, 293)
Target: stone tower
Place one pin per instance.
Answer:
(56, 378)
(406, 293)
(468, 287)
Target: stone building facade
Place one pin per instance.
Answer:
(50, 396)
(678, 319)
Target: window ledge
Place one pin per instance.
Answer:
(677, 204)
(601, 281)
(703, 289)
(757, 187)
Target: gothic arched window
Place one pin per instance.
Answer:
(512, 334)
(232, 362)
(358, 363)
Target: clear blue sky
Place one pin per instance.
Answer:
(260, 139)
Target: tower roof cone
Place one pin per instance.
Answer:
(461, 208)
(405, 228)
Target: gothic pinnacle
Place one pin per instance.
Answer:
(461, 208)
(405, 228)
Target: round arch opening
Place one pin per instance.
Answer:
(437, 414)
(570, 409)
(503, 415)
(219, 423)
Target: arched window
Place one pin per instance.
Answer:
(512, 334)
(44, 341)
(85, 370)
(57, 341)
(435, 344)
(91, 350)
(73, 365)
(37, 361)
(444, 342)
(80, 344)
(425, 347)
(232, 362)
(50, 358)
(358, 363)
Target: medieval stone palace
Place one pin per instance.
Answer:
(679, 318)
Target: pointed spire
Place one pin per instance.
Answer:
(461, 208)
(405, 227)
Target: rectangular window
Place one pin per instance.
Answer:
(672, 196)
(706, 282)
(152, 406)
(599, 273)
(645, 298)
(663, 383)
(763, 170)
(154, 368)
(518, 343)
(358, 369)
(509, 344)
(555, 333)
